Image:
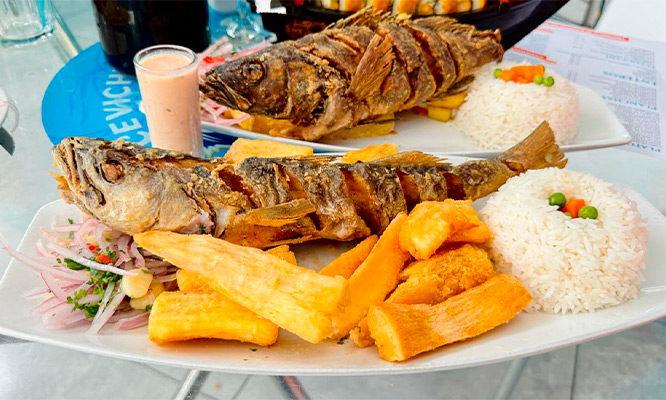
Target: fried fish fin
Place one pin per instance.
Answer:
(373, 68)
(281, 214)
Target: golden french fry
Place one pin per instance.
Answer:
(245, 148)
(374, 279)
(296, 299)
(346, 263)
(177, 316)
(283, 253)
(370, 153)
(429, 225)
(402, 331)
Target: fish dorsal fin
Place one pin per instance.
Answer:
(412, 158)
(374, 67)
(367, 17)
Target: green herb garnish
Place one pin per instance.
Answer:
(71, 221)
(71, 264)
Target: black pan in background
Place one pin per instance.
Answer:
(514, 20)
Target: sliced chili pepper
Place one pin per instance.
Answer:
(420, 110)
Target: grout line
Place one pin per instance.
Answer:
(510, 379)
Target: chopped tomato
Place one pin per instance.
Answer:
(573, 206)
(92, 247)
(103, 259)
(420, 110)
(208, 60)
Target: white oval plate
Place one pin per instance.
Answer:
(525, 335)
(598, 127)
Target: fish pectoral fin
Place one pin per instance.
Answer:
(373, 68)
(280, 214)
(411, 158)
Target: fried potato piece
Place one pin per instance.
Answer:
(245, 148)
(402, 331)
(370, 153)
(296, 299)
(177, 316)
(451, 271)
(346, 263)
(283, 253)
(191, 282)
(374, 279)
(440, 114)
(429, 225)
(452, 101)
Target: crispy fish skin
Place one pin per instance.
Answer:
(365, 66)
(265, 202)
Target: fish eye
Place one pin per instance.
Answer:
(112, 171)
(252, 71)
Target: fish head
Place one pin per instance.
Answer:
(278, 82)
(119, 184)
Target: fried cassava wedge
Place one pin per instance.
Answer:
(402, 331)
(451, 271)
(283, 253)
(297, 299)
(241, 149)
(346, 263)
(370, 153)
(429, 225)
(192, 282)
(374, 279)
(177, 316)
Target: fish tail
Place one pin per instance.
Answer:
(538, 150)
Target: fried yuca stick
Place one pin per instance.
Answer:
(451, 271)
(177, 316)
(346, 263)
(283, 253)
(296, 299)
(191, 282)
(429, 225)
(402, 331)
(374, 279)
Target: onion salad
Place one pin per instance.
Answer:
(93, 275)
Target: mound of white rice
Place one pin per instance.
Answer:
(497, 114)
(568, 265)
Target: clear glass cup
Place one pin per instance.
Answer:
(169, 84)
(23, 20)
(242, 29)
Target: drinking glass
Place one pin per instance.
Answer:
(169, 84)
(23, 20)
(242, 29)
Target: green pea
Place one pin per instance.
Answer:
(497, 72)
(538, 79)
(588, 212)
(568, 214)
(557, 199)
(549, 81)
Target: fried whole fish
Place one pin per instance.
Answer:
(264, 202)
(365, 66)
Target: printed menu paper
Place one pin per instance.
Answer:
(629, 74)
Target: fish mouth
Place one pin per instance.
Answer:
(216, 89)
(73, 181)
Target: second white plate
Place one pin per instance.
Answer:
(598, 127)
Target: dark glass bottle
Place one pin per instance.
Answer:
(127, 26)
